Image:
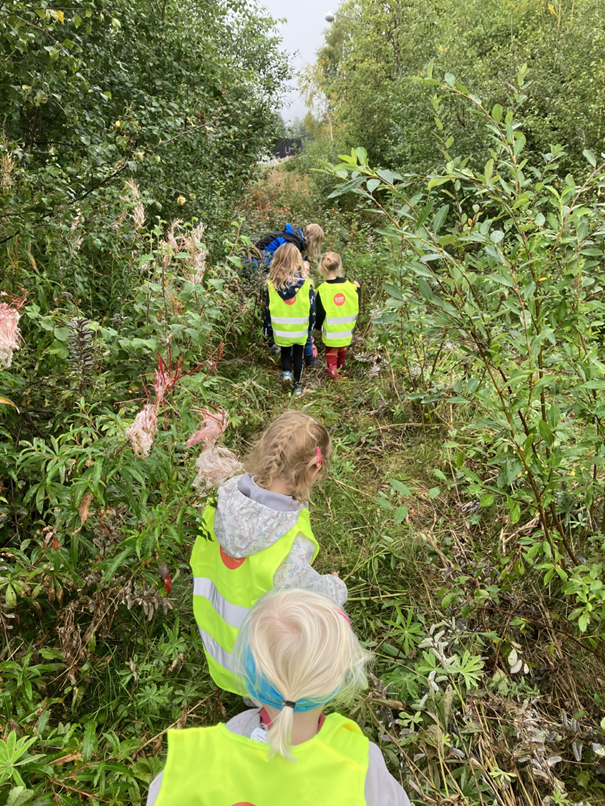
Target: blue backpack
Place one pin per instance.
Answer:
(268, 245)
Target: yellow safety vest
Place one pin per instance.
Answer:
(225, 588)
(290, 318)
(341, 304)
(214, 767)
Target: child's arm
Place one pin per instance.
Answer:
(312, 309)
(381, 788)
(267, 327)
(297, 571)
(320, 313)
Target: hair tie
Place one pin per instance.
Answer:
(344, 615)
(289, 704)
(319, 459)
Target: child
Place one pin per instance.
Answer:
(296, 653)
(308, 241)
(289, 312)
(258, 536)
(337, 307)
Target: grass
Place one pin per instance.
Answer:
(438, 597)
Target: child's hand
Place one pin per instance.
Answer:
(355, 283)
(335, 574)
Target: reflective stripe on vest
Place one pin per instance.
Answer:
(341, 304)
(290, 334)
(290, 315)
(232, 614)
(216, 651)
(336, 335)
(340, 320)
(290, 320)
(212, 766)
(225, 588)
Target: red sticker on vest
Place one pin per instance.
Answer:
(339, 299)
(232, 563)
(288, 302)
(243, 803)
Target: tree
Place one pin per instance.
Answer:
(365, 73)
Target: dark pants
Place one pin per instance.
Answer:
(292, 356)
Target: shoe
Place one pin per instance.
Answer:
(286, 380)
(332, 373)
(310, 361)
(297, 390)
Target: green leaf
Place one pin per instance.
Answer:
(487, 499)
(90, 735)
(514, 509)
(400, 514)
(546, 432)
(10, 597)
(450, 79)
(497, 113)
(384, 502)
(19, 795)
(62, 333)
(440, 217)
(434, 492)
(400, 487)
(438, 180)
(393, 290)
(590, 157)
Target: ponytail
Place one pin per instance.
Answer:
(297, 652)
(279, 736)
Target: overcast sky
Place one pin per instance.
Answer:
(302, 36)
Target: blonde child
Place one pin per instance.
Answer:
(258, 535)
(296, 653)
(307, 240)
(289, 312)
(337, 308)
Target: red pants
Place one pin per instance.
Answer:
(335, 359)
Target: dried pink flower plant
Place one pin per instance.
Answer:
(9, 328)
(142, 432)
(213, 428)
(215, 463)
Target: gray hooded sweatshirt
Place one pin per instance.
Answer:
(249, 519)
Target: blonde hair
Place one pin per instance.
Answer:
(286, 264)
(298, 645)
(288, 450)
(314, 236)
(330, 262)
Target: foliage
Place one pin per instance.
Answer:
(365, 93)
(101, 93)
(499, 279)
(480, 591)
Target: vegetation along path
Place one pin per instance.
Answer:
(465, 506)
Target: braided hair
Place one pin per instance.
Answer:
(288, 450)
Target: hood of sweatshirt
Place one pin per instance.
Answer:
(244, 526)
(293, 288)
